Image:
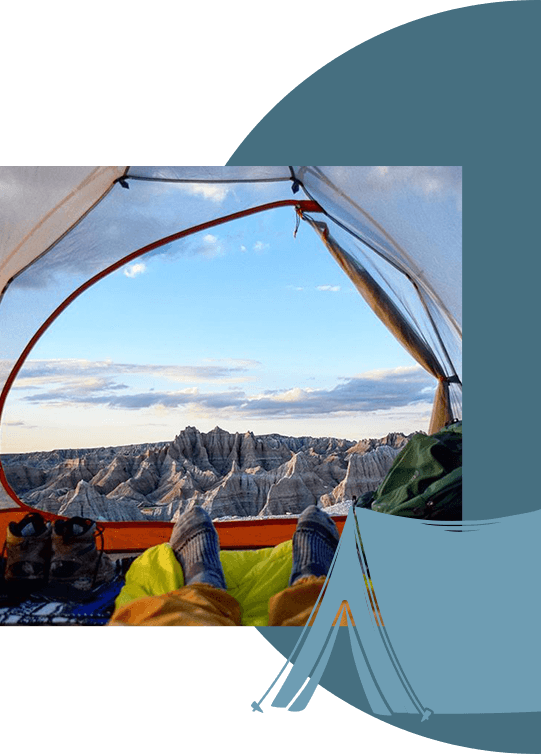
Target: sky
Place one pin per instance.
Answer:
(244, 326)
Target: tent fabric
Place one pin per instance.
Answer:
(404, 212)
(251, 576)
(384, 308)
(64, 225)
(45, 203)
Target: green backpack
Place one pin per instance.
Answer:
(425, 480)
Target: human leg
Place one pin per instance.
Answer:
(196, 546)
(203, 600)
(293, 606)
(314, 544)
(196, 605)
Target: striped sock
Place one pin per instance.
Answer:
(196, 546)
(314, 544)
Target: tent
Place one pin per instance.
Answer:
(395, 231)
(348, 599)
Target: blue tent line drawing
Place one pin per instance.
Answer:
(356, 645)
(291, 659)
(348, 597)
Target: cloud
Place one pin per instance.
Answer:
(214, 192)
(376, 391)
(76, 391)
(373, 391)
(133, 219)
(5, 368)
(21, 424)
(260, 246)
(136, 401)
(210, 246)
(94, 374)
(132, 270)
(326, 288)
(431, 180)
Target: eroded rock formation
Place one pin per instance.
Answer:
(229, 474)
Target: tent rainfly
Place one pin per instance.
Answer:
(395, 231)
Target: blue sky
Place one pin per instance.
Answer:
(244, 327)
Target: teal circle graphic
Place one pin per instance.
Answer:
(458, 88)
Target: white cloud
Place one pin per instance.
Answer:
(294, 395)
(379, 375)
(429, 179)
(132, 270)
(333, 288)
(216, 192)
(260, 246)
(94, 375)
(212, 246)
(85, 383)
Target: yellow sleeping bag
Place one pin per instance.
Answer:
(251, 576)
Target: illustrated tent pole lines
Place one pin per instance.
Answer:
(348, 597)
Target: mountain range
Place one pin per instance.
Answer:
(229, 474)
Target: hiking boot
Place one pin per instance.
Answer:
(76, 560)
(28, 551)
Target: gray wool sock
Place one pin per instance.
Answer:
(196, 546)
(314, 544)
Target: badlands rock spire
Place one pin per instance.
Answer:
(228, 474)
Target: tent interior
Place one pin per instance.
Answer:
(394, 231)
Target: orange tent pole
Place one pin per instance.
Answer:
(300, 205)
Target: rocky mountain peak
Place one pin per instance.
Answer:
(230, 474)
